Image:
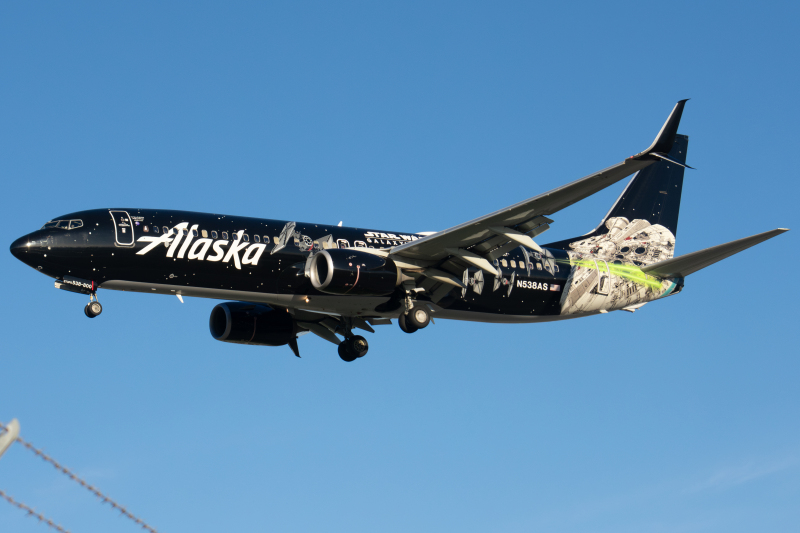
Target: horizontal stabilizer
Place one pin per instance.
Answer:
(690, 263)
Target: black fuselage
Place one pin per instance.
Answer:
(252, 259)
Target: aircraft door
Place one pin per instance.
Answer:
(123, 227)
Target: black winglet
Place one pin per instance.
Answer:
(666, 137)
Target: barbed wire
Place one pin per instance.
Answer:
(64, 470)
(32, 513)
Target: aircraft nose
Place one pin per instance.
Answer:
(28, 249)
(19, 248)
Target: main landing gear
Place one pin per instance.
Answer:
(93, 308)
(413, 319)
(353, 347)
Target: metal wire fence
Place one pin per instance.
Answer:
(67, 472)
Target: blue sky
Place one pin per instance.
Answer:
(411, 116)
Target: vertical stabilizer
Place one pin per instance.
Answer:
(654, 193)
(651, 199)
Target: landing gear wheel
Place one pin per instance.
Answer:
(357, 345)
(93, 309)
(344, 354)
(406, 325)
(351, 348)
(418, 317)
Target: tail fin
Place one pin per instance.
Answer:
(646, 211)
(654, 193)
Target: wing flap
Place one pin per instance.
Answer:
(690, 263)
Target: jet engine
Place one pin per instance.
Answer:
(349, 271)
(244, 323)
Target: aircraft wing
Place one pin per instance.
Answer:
(492, 235)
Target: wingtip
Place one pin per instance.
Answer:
(666, 136)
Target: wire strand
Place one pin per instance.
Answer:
(84, 484)
(32, 513)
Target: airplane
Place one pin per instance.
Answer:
(288, 278)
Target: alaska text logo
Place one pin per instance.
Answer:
(181, 246)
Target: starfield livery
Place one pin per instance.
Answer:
(288, 278)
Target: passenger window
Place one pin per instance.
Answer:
(276, 240)
(166, 229)
(504, 262)
(194, 233)
(246, 237)
(63, 224)
(514, 264)
(204, 233)
(225, 235)
(155, 229)
(51, 224)
(75, 224)
(538, 266)
(214, 234)
(360, 244)
(256, 238)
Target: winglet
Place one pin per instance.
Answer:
(666, 137)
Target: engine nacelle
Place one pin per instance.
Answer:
(349, 271)
(245, 323)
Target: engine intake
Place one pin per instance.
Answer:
(348, 271)
(244, 323)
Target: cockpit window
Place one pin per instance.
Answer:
(63, 224)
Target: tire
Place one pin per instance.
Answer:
(405, 324)
(419, 317)
(357, 345)
(345, 355)
(95, 308)
(87, 312)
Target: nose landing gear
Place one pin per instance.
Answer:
(93, 308)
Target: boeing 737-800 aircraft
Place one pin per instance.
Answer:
(287, 278)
